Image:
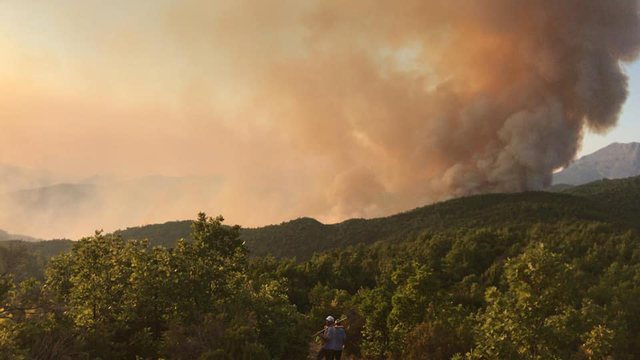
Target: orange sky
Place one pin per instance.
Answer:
(329, 109)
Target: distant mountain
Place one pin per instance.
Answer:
(77, 209)
(15, 178)
(615, 202)
(54, 196)
(5, 236)
(615, 161)
(609, 202)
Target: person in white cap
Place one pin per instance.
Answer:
(333, 340)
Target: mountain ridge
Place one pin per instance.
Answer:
(69, 208)
(615, 202)
(6, 236)
(609, 201)
(615, 161)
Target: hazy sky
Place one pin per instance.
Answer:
(319, 108)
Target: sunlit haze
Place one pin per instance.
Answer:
(265, 111)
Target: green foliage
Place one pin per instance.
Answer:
(522, 276)
(112, 298)
(598, 343)
(19, 259)
(610, 201)
(438, 339)
(535, 317)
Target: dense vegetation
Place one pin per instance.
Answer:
(522, 276)
(114, 299)
(610, 201)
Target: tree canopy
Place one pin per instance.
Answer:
(497, 283)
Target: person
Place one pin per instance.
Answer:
(323, 337)
(327, 335)
(333, 340)
(341, 336)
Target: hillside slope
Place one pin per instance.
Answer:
(608, 201)
(620, 197)
(612, 201)
(570, 259)
(5, 236)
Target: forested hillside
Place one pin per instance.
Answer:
(620, 197)
(520, 276)
(611, 201)
(4, 236)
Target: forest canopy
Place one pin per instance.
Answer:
(493, 280)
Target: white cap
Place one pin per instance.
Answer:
(330, 319)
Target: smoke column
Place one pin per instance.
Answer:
(333, 108)
(417, 101)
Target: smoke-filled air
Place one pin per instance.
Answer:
(269, 110)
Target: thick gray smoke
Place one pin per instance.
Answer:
(473, 96)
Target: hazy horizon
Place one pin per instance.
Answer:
(273, 110)
(74, 232)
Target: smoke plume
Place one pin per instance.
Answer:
(341, 108)
(416, 101)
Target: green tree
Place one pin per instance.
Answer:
(535, 317)
(598, 343)
(412, 303)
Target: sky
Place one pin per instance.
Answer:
(299, 108)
